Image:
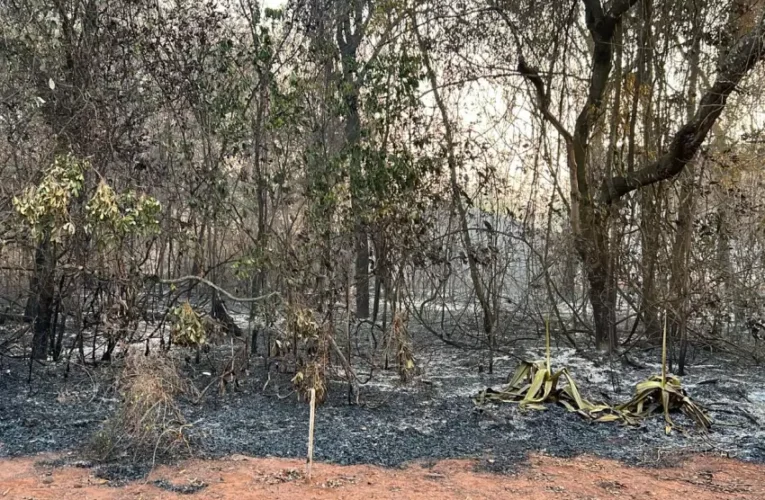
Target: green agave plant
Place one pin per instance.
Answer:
(663, 392)
(535, 384)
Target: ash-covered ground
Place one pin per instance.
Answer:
(429, 419)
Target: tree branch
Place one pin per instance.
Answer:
(543, 100)
(689, 138)
(155, 279)
(543, 103)
(620, 7)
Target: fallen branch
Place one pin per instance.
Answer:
(738, 411)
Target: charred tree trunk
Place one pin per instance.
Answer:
(220, 312)
(349, 34)
(43, 298)
(598, 270)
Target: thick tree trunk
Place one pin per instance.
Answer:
(602, 290)
(596, 246)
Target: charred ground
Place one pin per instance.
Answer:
(429, 419)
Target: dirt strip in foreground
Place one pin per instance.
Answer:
(541, 477)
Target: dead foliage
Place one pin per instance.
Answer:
(191, 329)
(407, 367)
(311, 376)
(188, 329)
(148, 423)
(662, 392)
(313, 359)
(535, 384)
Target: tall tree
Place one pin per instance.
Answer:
(590, 206)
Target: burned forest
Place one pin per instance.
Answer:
(378, 233)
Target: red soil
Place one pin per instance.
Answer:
(240, 478)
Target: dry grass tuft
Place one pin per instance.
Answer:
(148, 424)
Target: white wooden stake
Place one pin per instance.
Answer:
(310, 435)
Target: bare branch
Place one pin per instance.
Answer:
(184, 279)
(543, 100)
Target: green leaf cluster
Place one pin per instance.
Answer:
(115, 216)
(45, 207)
(188, 329)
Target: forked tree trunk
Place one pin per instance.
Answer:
(590, 205)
